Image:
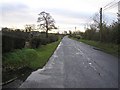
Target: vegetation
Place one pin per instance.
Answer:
(26, 58)
(109, 41)
(110, 34)
(16, 39)
(46, 22)
(106, 47)
(29, 27)
(28, 49)
(17, 58)
(13, 39)
(35, 42)
(32, 58)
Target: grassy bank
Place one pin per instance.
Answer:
(19, 63)
(32, 58)
(106, 47)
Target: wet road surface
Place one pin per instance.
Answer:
(76, 65)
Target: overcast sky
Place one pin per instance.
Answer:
(68, 14)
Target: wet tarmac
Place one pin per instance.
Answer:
(76, 65)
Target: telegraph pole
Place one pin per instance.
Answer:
(119, 12)
(75, 30)
(101, 24)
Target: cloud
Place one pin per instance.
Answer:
(13, 7)
(67, 13)
(70, 13)
(16, 14)
(67, 16)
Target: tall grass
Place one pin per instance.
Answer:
(32, 58)
(106, 47)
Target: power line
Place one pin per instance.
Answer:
(109, 4)
(112, 6)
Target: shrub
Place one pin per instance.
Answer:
(19, 43)
(53, 38)
(78, 36)
(10, 43)
(7, 43)
(44, 41)
(13, 40)
(35, 42)
(41, 40)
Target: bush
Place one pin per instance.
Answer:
(35, 42)
(16, 39)
(10, 43)
(13, 40)
(78, 36)
(75, 36)
(7, 43)
(53, 38)
(19, 43)
(44, 41)
(41, 40)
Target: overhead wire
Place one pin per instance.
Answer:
(108, 6)
(111, 6)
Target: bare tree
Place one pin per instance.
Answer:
(29, 27)
(46, 22)
(96, 21)
(70, 32)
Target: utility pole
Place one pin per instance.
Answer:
(119, 12)
(101, 24)
(75, 31)
(75, 28)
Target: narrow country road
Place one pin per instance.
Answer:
(76, 65)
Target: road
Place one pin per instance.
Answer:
(76, 65)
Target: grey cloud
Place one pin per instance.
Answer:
(15, 12)
(13, 7)
(69, 13)
(72, 23)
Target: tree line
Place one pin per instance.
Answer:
(17, 39)
(109, 33)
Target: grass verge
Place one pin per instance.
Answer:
(106, 47)
(32, 58)
(26, 60)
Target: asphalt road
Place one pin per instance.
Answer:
(76, 65)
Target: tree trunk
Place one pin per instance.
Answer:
(46, 33)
